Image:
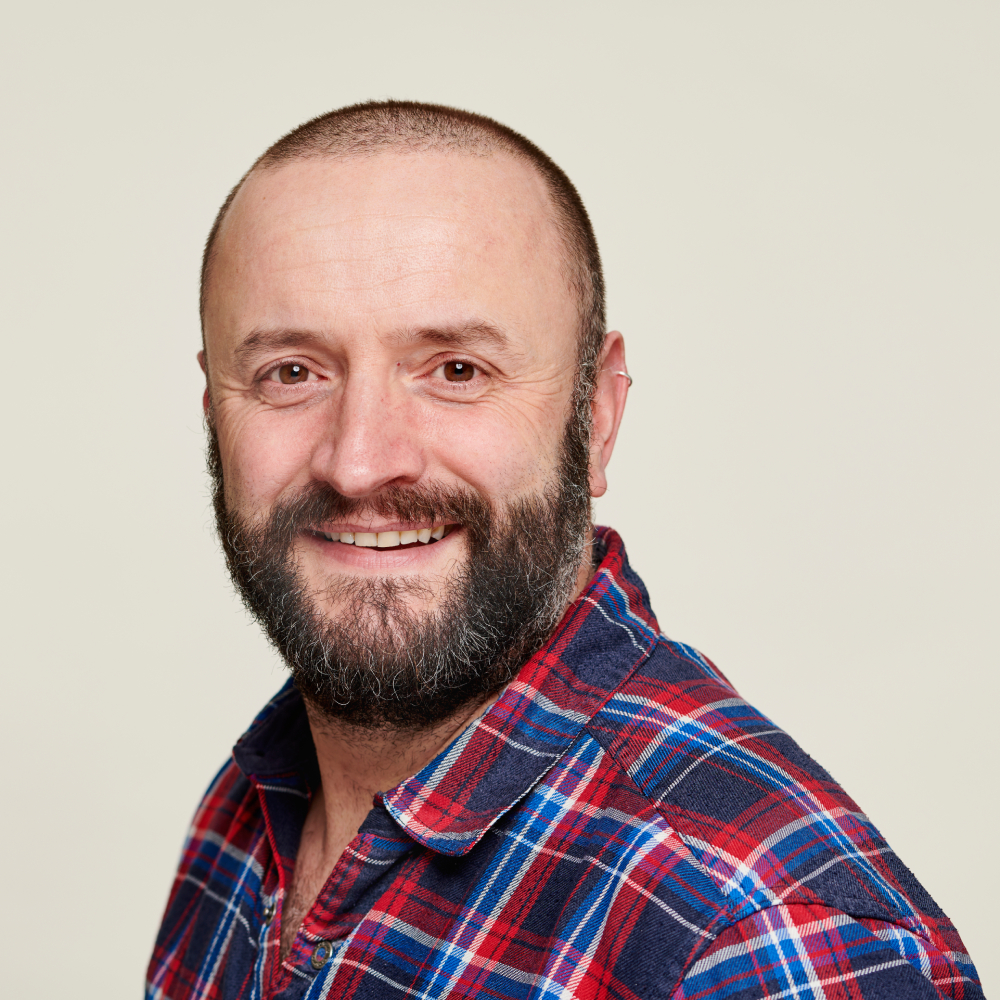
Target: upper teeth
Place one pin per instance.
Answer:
(386, 539)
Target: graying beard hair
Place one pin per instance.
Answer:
(391, 667)
(386, 643)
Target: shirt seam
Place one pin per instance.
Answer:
(705, 944)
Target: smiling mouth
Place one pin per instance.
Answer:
(388, 539)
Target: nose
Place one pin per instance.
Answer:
(373, 439)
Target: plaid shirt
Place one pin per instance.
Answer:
(620, 823)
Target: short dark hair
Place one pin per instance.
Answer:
(380, 126)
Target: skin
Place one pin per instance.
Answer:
(374, 274)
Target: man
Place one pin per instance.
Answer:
(490, 775)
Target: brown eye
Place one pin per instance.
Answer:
(290, 374)
(458, 371)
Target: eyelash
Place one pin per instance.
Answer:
(479, 370)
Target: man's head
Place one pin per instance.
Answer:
(403, 324)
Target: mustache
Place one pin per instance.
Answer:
(319, 502)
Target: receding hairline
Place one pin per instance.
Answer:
(569, 256)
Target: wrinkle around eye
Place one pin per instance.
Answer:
(436, 383)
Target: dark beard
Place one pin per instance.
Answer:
(379, 664)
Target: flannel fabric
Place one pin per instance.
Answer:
(620, 823)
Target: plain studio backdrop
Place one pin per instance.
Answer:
(797, 208)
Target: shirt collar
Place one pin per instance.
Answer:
(278, 745)
(450, 804)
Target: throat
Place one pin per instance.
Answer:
(321, 848)
(354, 765)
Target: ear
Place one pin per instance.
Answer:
(206, 402)
(607, 408)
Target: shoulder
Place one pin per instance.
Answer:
(805, 946)
(223, 836)
(764, 820)
(218, 868)
(228, 814)
(229, 824)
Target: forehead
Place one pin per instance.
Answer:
(391, 241)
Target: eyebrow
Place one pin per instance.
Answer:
(460, 335)
(264, 341)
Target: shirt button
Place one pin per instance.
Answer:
(321, 955)
(268, 913)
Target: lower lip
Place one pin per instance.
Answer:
(373, 558)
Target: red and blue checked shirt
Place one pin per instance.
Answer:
(619, 824)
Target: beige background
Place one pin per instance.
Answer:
(797, 206)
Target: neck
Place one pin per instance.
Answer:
(355, 764)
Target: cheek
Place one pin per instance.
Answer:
(499, 450)
(262, 456)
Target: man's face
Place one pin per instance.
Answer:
(387, 331)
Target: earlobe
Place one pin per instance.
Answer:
(598, 462)
(598, 483)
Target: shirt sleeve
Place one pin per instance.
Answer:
(812, 952)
